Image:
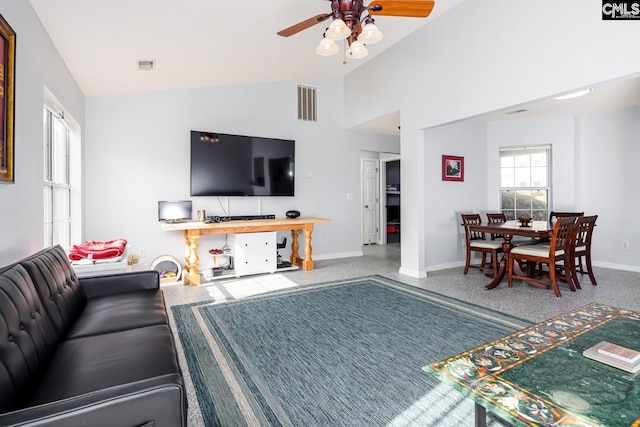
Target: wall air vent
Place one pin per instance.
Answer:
(307, 103)
(146, 64)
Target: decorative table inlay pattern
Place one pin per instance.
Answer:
(538, 375)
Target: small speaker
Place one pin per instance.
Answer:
(292, 214)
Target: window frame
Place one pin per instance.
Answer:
(56, 218)
(518, 210)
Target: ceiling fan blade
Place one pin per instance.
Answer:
(303, 25)
(411, 8)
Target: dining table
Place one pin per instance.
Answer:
(508, 230)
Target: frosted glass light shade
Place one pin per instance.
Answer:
(357, 50)
(327, 47)
(370, 34)
(338, 30)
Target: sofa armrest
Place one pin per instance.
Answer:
(96, 286)
(158, 402)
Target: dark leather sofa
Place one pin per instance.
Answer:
(95, 351)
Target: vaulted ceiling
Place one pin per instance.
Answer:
(200, 43)
(208, 43)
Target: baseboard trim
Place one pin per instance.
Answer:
(418, 274)
(445, 266)
(337, 255)
(613, 266)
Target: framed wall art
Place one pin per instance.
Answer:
(7, 86)
(452, 168)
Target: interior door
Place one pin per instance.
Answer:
(370, 201)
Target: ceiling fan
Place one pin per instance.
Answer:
(348, 17)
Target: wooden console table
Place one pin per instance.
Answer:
(194, 229)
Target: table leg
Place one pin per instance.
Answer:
(192, 276)
(480, 416)
(307, 261)
(502, 265)
(307, 264)
(295, 258)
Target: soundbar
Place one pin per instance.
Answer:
(238, 218)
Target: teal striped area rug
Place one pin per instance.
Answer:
(346, 353)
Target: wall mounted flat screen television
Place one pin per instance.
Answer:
(238, 165)
(175, 211)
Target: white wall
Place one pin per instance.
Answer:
(138, 153)
(479, 57)
(445, 201)
(609, 179)
(37, 65)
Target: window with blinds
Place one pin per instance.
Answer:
(525, 181)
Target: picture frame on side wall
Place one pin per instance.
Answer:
(452, 168)
(7, 97)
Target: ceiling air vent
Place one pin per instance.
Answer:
(307, 104)
(146, 64)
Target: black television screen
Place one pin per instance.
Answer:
(174, 211)
(237, 165)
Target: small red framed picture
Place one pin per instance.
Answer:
(452, 168)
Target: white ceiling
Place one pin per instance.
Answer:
(199, 43)
(205, 43)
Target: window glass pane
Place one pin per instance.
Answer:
(48, 214)
(539, 158)
(60, 153)
(522, 160)
(522, 177)
(538, 177)
(523, 200)
(506, 159)
(61, 233)
(48, 234)
(507, 178)
(47, 146)
(62, 204)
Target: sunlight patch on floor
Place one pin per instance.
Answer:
(242, 288)
(441, 406)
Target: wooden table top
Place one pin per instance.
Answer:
(538, 229)
(282, 223)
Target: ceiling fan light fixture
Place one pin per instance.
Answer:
(327, 47)
(338, 30)
(357, 50)
(370, 34)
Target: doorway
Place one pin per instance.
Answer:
(392, 200)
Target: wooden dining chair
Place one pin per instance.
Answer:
(476, 242)
(559, 252)
(553, 216)
(496, 218)
(582, 250)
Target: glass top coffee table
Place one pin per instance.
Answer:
(538, 376)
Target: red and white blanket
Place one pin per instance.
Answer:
(92, 249)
